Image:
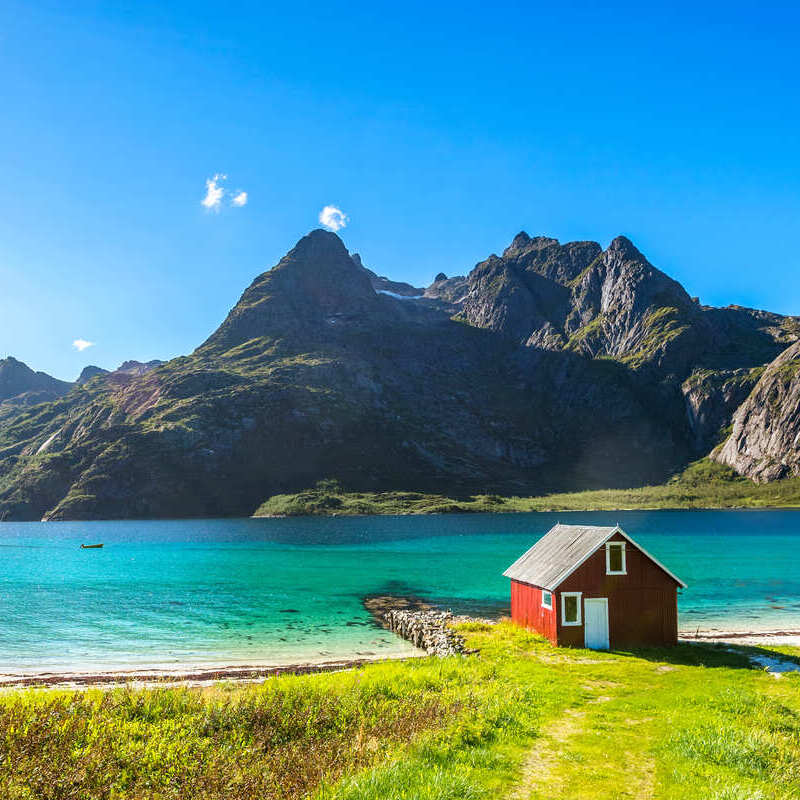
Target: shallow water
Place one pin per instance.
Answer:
(169, 593)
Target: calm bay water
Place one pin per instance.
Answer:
(225, 592)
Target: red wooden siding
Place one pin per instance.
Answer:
(642, 605)
(527, 610)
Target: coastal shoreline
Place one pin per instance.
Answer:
(190, 675)
(768, 637)
(206, 675)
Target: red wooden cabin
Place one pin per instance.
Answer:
(590, 586)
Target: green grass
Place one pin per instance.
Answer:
(703, 484)
(519, 719)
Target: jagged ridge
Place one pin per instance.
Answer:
(570, 373)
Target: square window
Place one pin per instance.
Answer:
(615, 558)
(570, 608)
(547, 599)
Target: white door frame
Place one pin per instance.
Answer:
(599, 638)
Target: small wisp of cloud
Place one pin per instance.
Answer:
(215, 192)
(81, 344)
(333, 218)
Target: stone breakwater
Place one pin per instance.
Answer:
(428, 630)
(424, 625)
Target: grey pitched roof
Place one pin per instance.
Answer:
(559, 550)
(562, 550)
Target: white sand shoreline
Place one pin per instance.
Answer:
(187, 675)
(764, 638)
(199, 674)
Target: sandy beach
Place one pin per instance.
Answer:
(762, 638)
(188, 675)
(209, 674)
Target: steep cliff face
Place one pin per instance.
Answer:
(712, 397)
(765, 441)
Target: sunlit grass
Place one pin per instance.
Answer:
(520, 719)
(704, 484)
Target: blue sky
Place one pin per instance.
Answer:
(440, 129)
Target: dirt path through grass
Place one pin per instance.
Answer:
(597, 752)
(543, 761)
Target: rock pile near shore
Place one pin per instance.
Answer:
(421, 623)
(428, 630)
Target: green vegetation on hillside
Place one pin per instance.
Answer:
(704, 484)
(518, 719)
(662, 326)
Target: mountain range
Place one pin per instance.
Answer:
(553, 366)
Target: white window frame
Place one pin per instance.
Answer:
(577, 622)
(624, 570)
(549, 604)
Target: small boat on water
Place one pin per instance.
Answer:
(90, 546)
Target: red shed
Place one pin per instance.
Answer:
(590, 586)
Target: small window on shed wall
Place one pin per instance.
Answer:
(547, 599)
(570, 608)
(615, 558)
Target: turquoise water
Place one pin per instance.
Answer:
(226, 592)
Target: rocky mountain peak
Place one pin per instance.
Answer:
(524, 243)
(316, 264)
(519, 242)
(316, 280)
(89, 372)
(314, 375)
(624, 247)
(599, 303)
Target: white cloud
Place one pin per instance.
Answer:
(333, 218)
(81, 344)
(214, 192)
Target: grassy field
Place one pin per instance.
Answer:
(704, 484)
(520, 719)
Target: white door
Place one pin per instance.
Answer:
(595, 611)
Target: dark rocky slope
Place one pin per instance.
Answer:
(576, 368)
(614, 304)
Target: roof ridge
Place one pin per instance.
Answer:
(557, 554)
